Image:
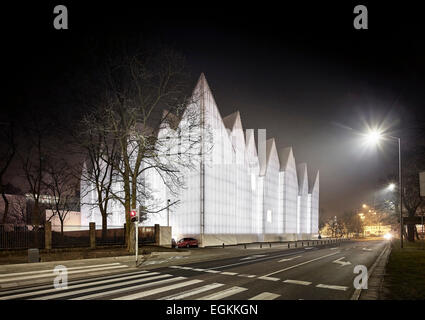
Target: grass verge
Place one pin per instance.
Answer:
(405, 271)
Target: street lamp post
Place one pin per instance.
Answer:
(168, 212)
(400, 191)
(374, 136)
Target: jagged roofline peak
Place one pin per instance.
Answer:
(302, 174)
(230, 120)
(284, 155)
(315, 181)
(250, 139)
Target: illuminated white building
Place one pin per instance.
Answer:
(240, 191)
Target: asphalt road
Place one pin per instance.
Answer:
(322, 272)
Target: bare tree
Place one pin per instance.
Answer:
(144, 94)
(7, 138)
(34, 155)
(60, 185)
(100, 156)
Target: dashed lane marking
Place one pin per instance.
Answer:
(326, 286)
(268, 278)
(288, 259)
(300, 264)
(303, 283)
(229, 273)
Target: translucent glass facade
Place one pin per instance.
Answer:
(289, 190)
(237, 187)
(304, 222)
(315, 205)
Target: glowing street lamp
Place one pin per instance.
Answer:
(373, 137)
(391, 187)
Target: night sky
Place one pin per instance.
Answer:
(300, 71)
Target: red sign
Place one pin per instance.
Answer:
(133, 213)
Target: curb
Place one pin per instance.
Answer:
(361, 294)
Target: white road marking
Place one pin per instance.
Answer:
(265, 296)
(229, 273)
(255, 256)
(303, 283)
(158, 290)
(366, 249)
(53, 275)
(94, 281)
(326, 286)
(288, 259)
(308, 248)
(175, 267)
(247, 275)
(51, 270)
(188, 293)
(299, 264)
(268, 278)
(120, 290)
(342, 263)
(87, 284)
(114, 285)
(257, 260)
(334, 248)
(223, 294)
(186, 268)
(212, 271)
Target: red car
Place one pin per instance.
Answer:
(187, 243)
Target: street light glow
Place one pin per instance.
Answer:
(373, 137)
(391, 186)
(388, 236)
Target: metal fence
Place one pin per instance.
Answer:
(24, 237)
(21, 237)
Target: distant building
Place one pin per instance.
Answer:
(240, 192)
(376, 230)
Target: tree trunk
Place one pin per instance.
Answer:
(35, 223)
(6, 207)
(411, 232)
(104, 225)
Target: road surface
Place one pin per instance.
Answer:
(317, 272)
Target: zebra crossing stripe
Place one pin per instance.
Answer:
(53, 275)
(120, 290)
(265, 296)
(38, 292)
(51, 270)
(247, 275)
(189, 293)
(49, 286)
(158, 290)
(104, 287)
(212, 271)
(223, 294)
